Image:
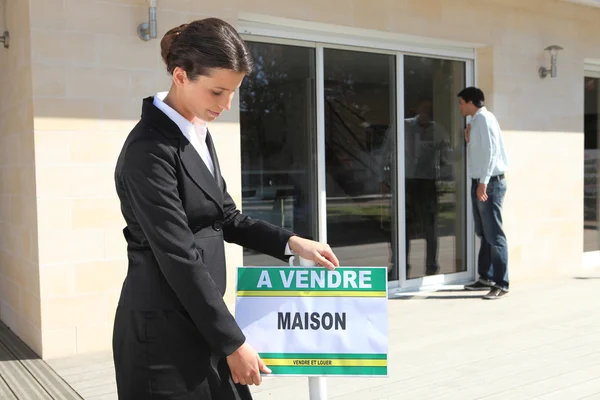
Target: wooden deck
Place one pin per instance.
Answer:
(91, 375)
(24, 376)
(541, 342)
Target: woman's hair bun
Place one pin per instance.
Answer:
(168, 39)
(204, 45)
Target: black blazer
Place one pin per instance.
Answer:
(177, 217)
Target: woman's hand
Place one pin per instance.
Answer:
(314, 251)
(245, 365)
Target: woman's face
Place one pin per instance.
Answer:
(207, 96)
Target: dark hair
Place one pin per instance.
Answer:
(202, 45)
(473, 94)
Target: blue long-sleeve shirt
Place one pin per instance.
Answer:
(486, 154)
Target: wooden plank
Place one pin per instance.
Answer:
(85, 368)
(110, 396)
(101, 390)
(39, 372)
(64, 364)
(107, 374)
(17, 377)
(100, 380)
(95, 383)
(5, 392)
(91, 375)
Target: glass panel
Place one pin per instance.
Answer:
(360, 110)
(278, 141)
(591, 239)
(435, 167)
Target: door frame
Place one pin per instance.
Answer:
(591, 259)
(433, 281)
(275, 30)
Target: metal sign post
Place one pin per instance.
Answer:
(317, 386)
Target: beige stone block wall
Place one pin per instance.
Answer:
(84, 107)
(91, 72)
(88, 71)
(19, 274)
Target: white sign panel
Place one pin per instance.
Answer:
(315, 322)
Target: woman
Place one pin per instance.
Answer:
(174, 337)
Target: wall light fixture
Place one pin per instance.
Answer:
(552, 71)
(147, 30)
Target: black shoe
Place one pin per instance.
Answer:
(432, 270)
(495, 294)
(480, 285)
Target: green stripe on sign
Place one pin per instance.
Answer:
(334, 356)
(379, 371)
(312, 279)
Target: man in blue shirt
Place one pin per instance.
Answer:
(487, 164)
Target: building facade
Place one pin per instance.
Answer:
(347, 131)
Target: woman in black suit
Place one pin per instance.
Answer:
(174, 337)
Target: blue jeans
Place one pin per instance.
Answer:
(493, 253)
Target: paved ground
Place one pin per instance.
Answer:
(541, 342)
(591, 240)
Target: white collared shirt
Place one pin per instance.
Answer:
(195, 132)
(485, 152)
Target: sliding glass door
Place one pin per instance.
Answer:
(434, 159)
(360, 143)
(339, 165)
(278, 139)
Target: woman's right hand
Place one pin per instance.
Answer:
(320, 253)
(245, 365)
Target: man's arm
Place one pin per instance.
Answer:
(481, 155)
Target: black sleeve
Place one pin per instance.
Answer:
(150, 182)
(254, 234)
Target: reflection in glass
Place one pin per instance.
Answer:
(591, 239)
(360, 156)
(434, 167)
(277, 118)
